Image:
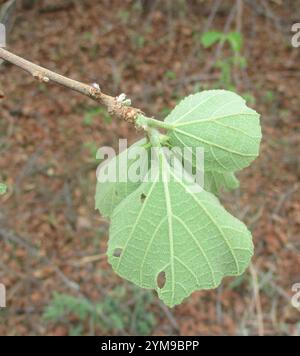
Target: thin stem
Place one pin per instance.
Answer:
(154, 137)
(144, 121)
(114, 107)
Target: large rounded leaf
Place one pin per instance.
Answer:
(221, 123)
(164, 227)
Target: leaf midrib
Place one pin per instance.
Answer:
(210, 143)
(211, 119)
(213, 221)
(170, 225)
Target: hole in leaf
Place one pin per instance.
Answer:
(161, 279)
(143, 197)
(117, 252)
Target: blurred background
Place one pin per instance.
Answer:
(53, 242)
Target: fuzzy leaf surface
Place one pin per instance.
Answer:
(215, 181)
(221, 123)
(165, 227)
(110, 193)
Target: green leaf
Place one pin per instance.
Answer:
(164, 227)
(221, 123)
(110, 193)
(236, 41)
(210, 38)
(240, 61)
(3, 188)
(63, 304)
(215, 181)
(170, 74)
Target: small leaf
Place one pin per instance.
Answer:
(110, 193)
(215, 181)
(188, 236)
(170, 74)
(221, 123)
(240, 61)
(236, 41)
(3, 188)
(210, 38)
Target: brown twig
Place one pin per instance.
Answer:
(214, 9)
(11, 236)
(239, 15)
(282, 199)
(220, 45)
(114, 107)
(258, 306)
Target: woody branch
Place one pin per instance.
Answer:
(115, 107)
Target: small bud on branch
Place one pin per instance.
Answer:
(116, 108)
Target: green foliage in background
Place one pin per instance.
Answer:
(226, 65)
(3, 188)
(235, 39)
(113, 314)
(93, 113)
